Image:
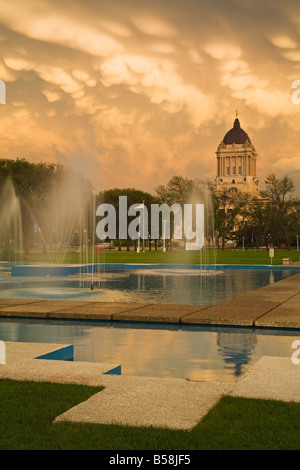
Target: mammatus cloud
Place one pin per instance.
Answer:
(136, 94)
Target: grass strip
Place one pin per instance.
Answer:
(247, 257)
(27, 411)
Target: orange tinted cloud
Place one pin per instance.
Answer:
(134, 94)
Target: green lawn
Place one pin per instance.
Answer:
(180, 257)
(27, 410)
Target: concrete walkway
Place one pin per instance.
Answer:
(150, 401)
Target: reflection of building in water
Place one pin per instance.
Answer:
(236, 349)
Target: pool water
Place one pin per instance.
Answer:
(177, 286)
(156, 350)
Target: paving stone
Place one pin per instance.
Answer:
(148, 401)
(39, 309)
(95, 310)
(23, 311)
(253, 301)
(274, 378)
(227, 315)
(286, 315)
(82, 314)
(158, 313)
(295, 300)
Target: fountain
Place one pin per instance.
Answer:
(65, 222)
(201, 195)
(63, 234)
(62, 231)
(207, 255)
(11, 240)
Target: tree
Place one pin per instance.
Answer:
(283, 207)
(178, 190)
(257, 227)
(231, 211)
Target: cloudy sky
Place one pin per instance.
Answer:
(132, 93)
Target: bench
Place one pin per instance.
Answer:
(286, 260)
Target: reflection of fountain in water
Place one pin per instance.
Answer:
(11, 239)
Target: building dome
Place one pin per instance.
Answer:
(236, 135)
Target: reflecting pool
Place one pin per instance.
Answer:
(156, 350)
(178, 286)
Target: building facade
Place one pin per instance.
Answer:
(236, 162)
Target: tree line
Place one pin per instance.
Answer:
(273, 217)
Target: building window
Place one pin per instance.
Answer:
(234, 170)
(240, 170)
(228, 170)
